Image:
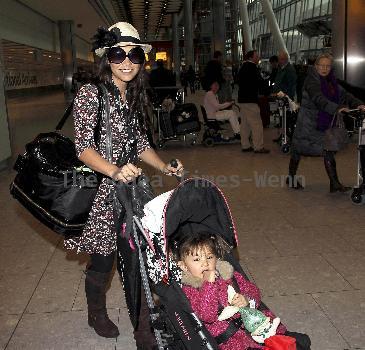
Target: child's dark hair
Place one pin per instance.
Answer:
(191, 243)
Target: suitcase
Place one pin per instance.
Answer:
(166, 124)
(185, 119)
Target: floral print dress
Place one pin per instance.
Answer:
(99, 235)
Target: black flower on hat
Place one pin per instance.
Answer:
(104, 38)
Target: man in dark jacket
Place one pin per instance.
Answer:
(162, 76)
(213, 71)
(286, 77)
(249, 81)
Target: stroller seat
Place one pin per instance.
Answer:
(196, 205)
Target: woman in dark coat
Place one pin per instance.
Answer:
(322, 98)
(121, 70)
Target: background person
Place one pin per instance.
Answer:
(286, 76)
(274, 63)
(213, 71)
(249, 82)
(190, 76)
(216, 110)
(322, 98)
(121, 67)
(162, 76)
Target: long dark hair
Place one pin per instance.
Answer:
(136, 98)
(191, 243)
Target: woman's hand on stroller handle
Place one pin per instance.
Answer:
(174, 167)
(127, 173)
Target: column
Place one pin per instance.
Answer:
(234, 14)
(219, 27)
(68, 56)
(273, 25)
(5, 150)
(347, 47)
(245, 29)
(188, 33)
(176, 46)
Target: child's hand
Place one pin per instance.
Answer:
(239, 300)
(209, 276)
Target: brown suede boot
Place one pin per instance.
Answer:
(95, 289)
(144, 335)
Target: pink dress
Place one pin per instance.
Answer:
(207, 298)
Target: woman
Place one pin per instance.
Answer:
(191, 79)
(322, 98)
(121, 69)
(218, 111)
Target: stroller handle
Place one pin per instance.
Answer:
(174, 164)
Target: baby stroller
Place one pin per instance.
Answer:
(195, 205)
(359, 190)
(287, 112)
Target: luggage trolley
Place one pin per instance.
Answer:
(357, 195)
(287, 124)
(177, 120)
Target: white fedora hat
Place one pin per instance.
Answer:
(119, 34)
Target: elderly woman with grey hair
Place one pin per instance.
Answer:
(322, 98)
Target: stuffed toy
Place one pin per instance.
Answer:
(254, 321)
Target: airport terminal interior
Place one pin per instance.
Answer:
(304, 249)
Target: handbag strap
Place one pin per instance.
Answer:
(108, 141)
(69, 109)
(65, 116)
(339, 120)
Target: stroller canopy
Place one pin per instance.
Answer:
(196, 205)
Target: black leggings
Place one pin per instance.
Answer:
(101, 263)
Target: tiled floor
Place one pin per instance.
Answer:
(305, 250)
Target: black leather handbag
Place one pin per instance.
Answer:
(336, 137)
(52, 183)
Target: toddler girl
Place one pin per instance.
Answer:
(205, 281)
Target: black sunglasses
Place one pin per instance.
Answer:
(118, 55)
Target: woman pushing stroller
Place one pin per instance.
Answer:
(121, 71)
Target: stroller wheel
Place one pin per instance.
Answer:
(356, 196)
(208, 142)
(285, 148)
